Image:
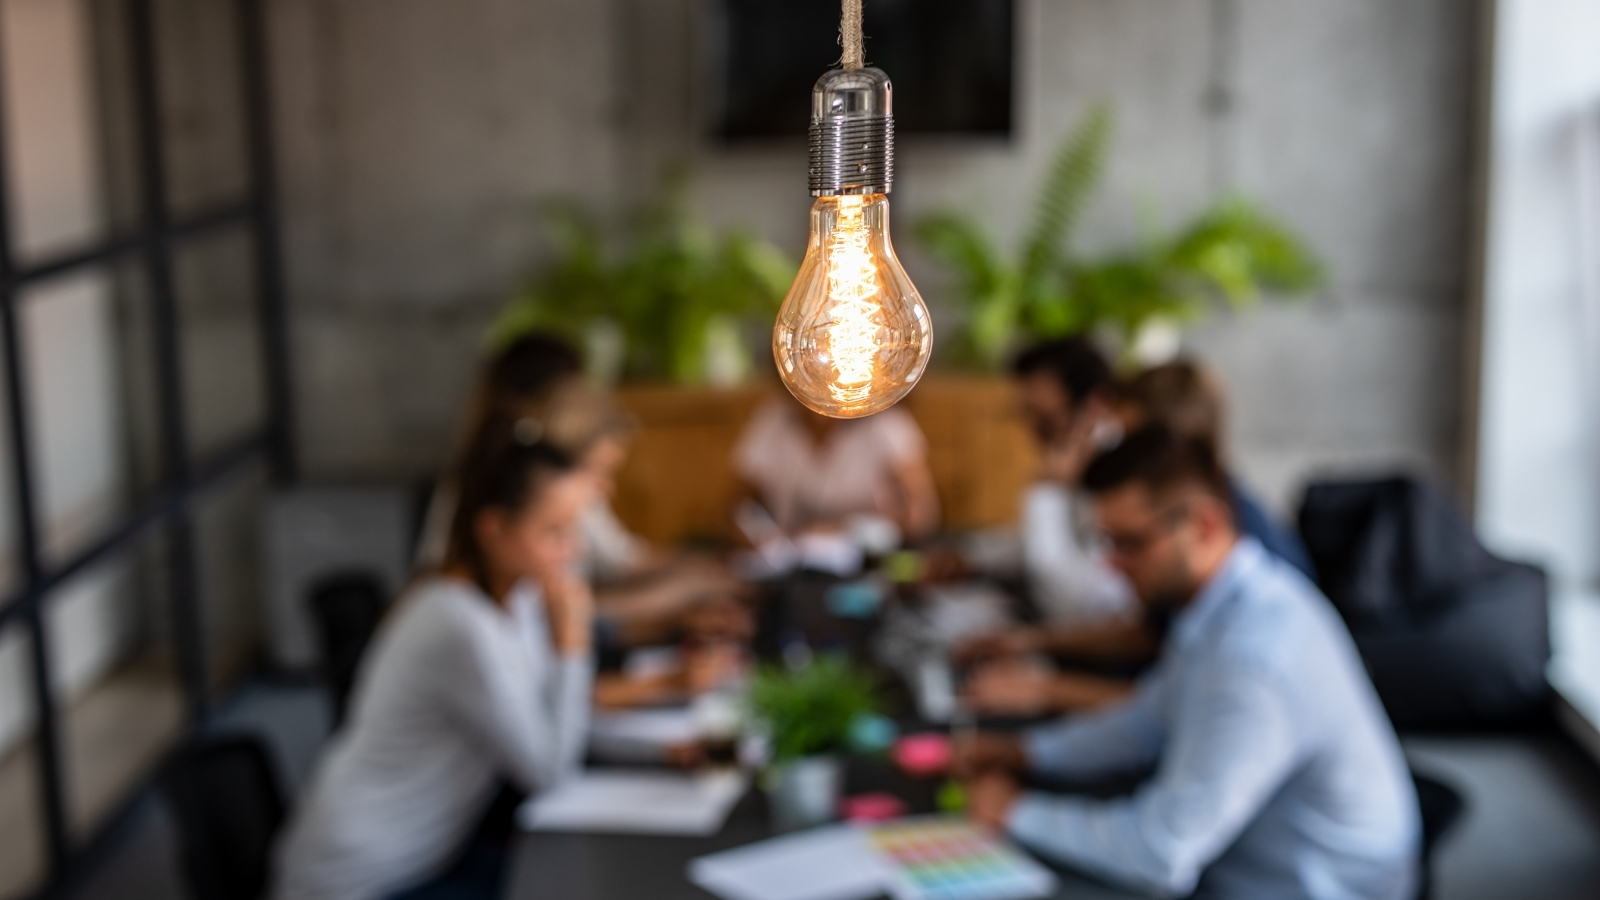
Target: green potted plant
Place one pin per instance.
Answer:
(1231, 251)
(656, 297)
(809, 715)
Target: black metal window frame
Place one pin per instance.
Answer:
(152, 243)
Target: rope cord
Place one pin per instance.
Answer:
(850, 36)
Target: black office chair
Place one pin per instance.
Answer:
(1441, 806)
(224, 795)
(346, 608)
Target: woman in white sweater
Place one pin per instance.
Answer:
(480, 675)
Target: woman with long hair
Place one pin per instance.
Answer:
(480, 675)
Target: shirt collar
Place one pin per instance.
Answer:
(1243, 559)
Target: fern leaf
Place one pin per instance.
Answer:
(1073, 176)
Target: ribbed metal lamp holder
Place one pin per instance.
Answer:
(852, 155)
(852, 133)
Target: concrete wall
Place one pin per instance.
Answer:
(414, 138)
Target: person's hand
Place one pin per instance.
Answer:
(990, 797)
(570, 608)
(685, 756)
(1011, 642)
(720, 620)
(1073, 691)
(984, 752)
(941, 564)
(709, 667)
(701, 582)
(1068, 454)
(1012, 689)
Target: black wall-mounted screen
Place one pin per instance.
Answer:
(950, 61)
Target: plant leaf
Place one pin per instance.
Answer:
(1236, 251)
(810, 710)
(1072, 177)
(958, 243)
(663, 278)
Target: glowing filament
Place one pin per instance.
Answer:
(853, 287)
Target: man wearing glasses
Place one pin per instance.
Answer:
(1276, 772)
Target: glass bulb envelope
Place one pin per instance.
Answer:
(853, 335)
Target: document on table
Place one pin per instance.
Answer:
(624, 801)
(828, 863)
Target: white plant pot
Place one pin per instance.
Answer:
(804, 792)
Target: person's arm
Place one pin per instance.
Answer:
(1005, 689)
(919, 517)
(535, 727)
(568, 695)
(758, 466)
(914, 501)
(1114, 739)
(703, 669)
(569, 611)
(1118, 639)
(1066, 575)
(1227, 754)
(1122, 640)
(653, 610)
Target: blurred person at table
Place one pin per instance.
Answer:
(479, 675)
(1186, 398)
(813, 473)
(1276, 772)
(1065, 389)
(648, 598)
(642, 596)
(645, 595)
(525, 371)
(1087, 607)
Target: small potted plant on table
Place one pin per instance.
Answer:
(810, 715)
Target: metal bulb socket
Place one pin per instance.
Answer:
(852, 133)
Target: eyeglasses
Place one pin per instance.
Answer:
(1129, 544)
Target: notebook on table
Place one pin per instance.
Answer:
(924, 858)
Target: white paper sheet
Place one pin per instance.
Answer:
(640, 736)
(827, 863)
(636, 802)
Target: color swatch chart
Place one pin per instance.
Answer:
(944, 858)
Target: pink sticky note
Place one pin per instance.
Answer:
(923, 754)
(874, 807)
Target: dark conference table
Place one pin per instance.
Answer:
(551, 866)
(547, 866)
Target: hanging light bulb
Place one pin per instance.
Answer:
(853, 334)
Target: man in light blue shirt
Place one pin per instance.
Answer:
(1277, 774)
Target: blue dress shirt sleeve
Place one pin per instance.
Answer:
(1113, 740)
(1216, 773)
